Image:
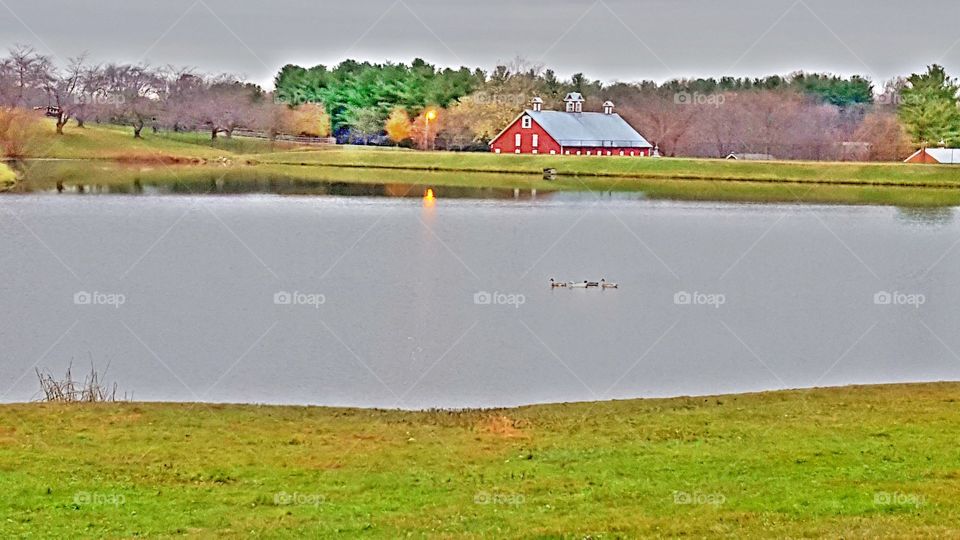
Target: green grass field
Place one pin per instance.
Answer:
(317, 180)
(855, 462)
(687, 179)
(615, 166)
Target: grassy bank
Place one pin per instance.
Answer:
(685, 179)
(849, 462)
(99, 176)
(7, 176)
(637, 168)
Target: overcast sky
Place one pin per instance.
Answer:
(611, 40)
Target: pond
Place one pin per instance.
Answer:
(444, 302)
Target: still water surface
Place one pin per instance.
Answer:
(388, 297)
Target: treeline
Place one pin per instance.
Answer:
(357, 94)
(143, 96)
(799, 116)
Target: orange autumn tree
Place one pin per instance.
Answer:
(311, 119)
(398, 126)
(22, 132)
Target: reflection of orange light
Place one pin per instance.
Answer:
(428, 197)
(431, 115)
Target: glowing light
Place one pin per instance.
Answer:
(428, 198)
(431, 115)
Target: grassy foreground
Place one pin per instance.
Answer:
(852, 462)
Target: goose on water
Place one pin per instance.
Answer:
(555, 284)
(607, 284)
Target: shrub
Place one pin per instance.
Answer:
(21, 132)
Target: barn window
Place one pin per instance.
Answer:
(497, 151)
(588, 152)
(552, 152)
(516, 140)
(536, 140)
(621, 152)
(631, 152)
(608, 152)
(567, 152)
(535, 151)
(527, 122)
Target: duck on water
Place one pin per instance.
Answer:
(603, 284)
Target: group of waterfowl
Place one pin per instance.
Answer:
(602, 284)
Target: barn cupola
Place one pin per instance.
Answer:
(537, 104)
(608, 107)
(574, 102)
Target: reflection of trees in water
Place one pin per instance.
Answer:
(245, 184)
(932, 215)
(81, 178)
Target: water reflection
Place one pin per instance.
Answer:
(925, 215)
(284, 186)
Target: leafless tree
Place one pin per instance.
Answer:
(65, 91)
(24, 75)
(137, 90)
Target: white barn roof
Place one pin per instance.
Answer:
(942, 155)
(588, 129)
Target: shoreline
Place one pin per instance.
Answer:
(760, 394)
(178, 161)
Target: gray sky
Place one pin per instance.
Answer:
(606, 39)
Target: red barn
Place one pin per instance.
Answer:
(947, 156)
(570, 132)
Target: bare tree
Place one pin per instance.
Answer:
(65, 91)
(24, 75)
(138, 91)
